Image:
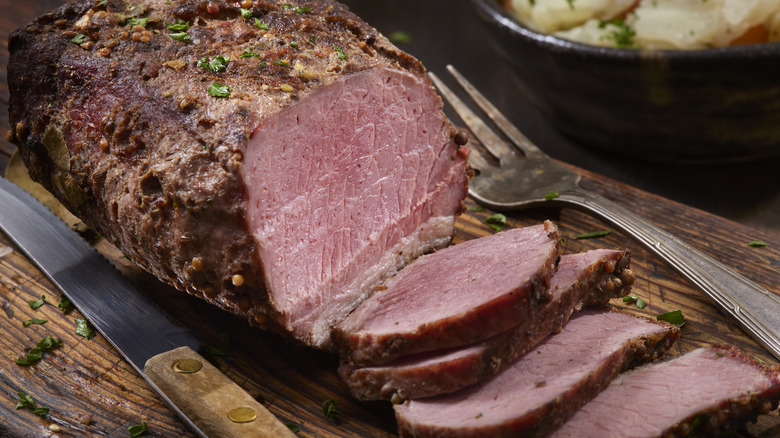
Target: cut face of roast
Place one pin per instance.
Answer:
(589, 278)
(455, 296)
(547, 385)
(347, 187)
(696, 394)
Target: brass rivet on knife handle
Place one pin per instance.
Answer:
(188, 366)
(209, 398)
(242, 415)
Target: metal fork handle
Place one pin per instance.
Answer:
(755, 308)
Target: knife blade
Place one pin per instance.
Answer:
(164, 353)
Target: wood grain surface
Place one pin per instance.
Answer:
(91, 391)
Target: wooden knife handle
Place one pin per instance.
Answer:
(208, 399)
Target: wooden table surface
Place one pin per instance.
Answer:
(92, 392)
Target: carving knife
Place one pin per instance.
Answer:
(164, 353)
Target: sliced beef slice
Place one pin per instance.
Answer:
(454, 297)
(328, 166)
(542, 389)
(589, 278)
(698, 394)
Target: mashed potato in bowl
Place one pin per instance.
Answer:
(653, 24)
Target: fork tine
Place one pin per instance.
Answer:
(502, 122)
(478, 161)
(492, 142)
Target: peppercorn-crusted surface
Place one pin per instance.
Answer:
(126, 112)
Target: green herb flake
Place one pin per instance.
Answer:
(286, 6)
(65, 305)
(550, 196)
(674, 317)
(36, 353)
(138, 429)
(761, 361)
(571, 4)
(280, 62)
(294, 44)
(477, 208)
(216, 65)
(34, 321)
(594, 234)
(300, 10)
(263, 64)
(133, 22)
(340, 51)
(636, 300)
(249, 54)
(102, 2)
(25, 401)
(620, 32)
(400, 37)
(720, 354)
(218, 90)
(84, 328)
(79, 38)
(496, 221)
(260, 25)
(757, 244)
(330, 410)
(292, 426)
(246, 13)
(313, 39)
(479, 415)
(180, 36)
(36, 304)
(179, 26)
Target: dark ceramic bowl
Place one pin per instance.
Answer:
(678, 106)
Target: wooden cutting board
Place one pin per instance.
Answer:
(93, 392)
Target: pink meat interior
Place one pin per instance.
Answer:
(345, 186)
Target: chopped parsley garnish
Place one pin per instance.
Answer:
(25, 401)
(477, 208)
(757, 244)
(263, 64)
(246, 13)
(550, 196)
(179, 26)
(292, 426)
(330, 410)
(34, 321)
(85, 328)
(594, 234)
(623, 35)
(279, 62)
(36, 353)
(400, 37)
(216, 65)
(36, 304)
(720, 354)
(138, 429)
(294, 44)
(249, 54)
(313, 39)
(179, 30)
(636, 300)
(65, 305)
(260, 25)
(79, 38)
(133, 22)
(301, 10)
(496, 221)
(180, 36)
(218, 90)
(102, 2)
(674, 317)
(340, 51)
(571, 4)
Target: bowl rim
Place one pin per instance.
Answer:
(504, 19)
